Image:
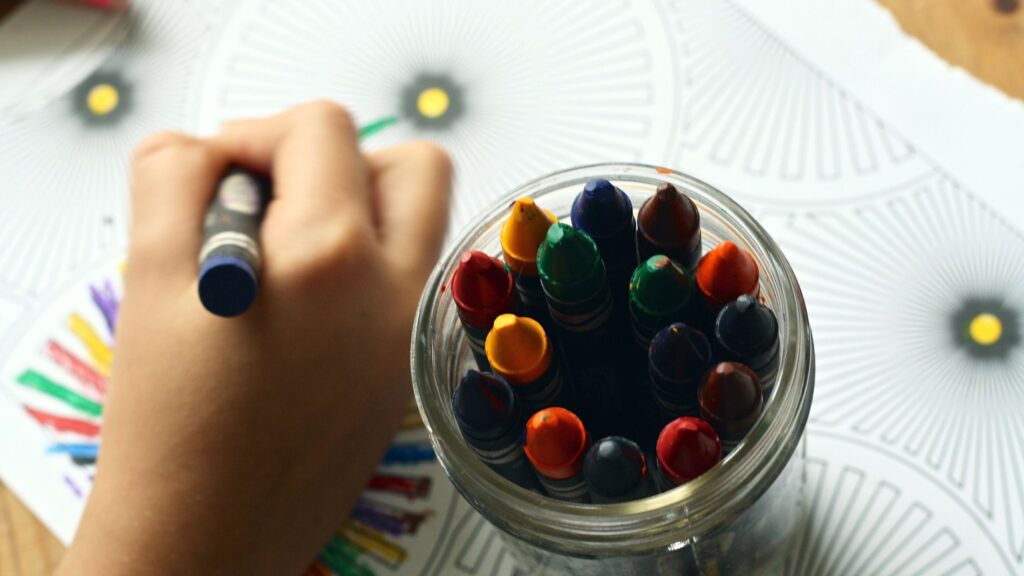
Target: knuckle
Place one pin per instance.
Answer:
(434, 156)
(157, 142)
(328, 252)
(328, 114)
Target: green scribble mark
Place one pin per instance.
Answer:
(35, 380)
(343, 558)
(376, 126)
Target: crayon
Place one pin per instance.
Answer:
(687, 447)
(658, 296)
(616, 471)
(230, 258)
(723, 275)
(679, 357)
(491, 420)
(605, 213)
(521, 235)
(669, 223)
(731, 400)
(519, 351)
(482, 289)
(747, 331)
(556, 443)
(573, 277)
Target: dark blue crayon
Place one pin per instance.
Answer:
(408, 454)
(230, 258)
(616, 471)
(492, 423)
(679, 358)
(605, 213)
(747, 332)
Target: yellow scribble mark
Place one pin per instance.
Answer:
(986, 329)
(100, 353)
(432, 102)
(102, 99)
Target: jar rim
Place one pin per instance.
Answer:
(668, 519)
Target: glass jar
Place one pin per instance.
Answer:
(737, 518)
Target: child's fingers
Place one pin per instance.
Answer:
(173, 179)
(312, 153)
(412, 184)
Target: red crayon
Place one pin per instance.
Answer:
(556, 444)
(731, 400)
(483, 289)
(724, 274)
(687, 448)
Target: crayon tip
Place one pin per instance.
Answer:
(602, 210)
(484, 405)
(568, 256)
(518, 349)
(556, 442)
(726, 273)
(659, 286)
(670, 220)
(522, 233)
(227, 285)
(679, 353)
(482, 288)
(747, 328)
(730, 398)
(614, 466)
(687, 447)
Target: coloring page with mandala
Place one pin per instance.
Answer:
(909, 248)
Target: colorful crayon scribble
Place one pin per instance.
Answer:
(370, 535)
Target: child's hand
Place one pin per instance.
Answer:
(237, 446)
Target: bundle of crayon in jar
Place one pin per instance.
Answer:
(608, 343)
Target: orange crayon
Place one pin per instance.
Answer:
(724, 274)
(556, 443)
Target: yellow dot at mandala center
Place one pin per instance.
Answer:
(986, 329)
(432, 102)
(102, 99)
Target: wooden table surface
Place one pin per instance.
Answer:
(985, 37)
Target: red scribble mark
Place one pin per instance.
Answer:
(663, 170)
(410, 487)
(80, 370)
(63, 423)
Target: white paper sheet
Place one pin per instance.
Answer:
(889, 180)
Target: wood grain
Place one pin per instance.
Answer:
(985, 37)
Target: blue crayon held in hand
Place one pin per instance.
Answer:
(230, 257)
(492, 423)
